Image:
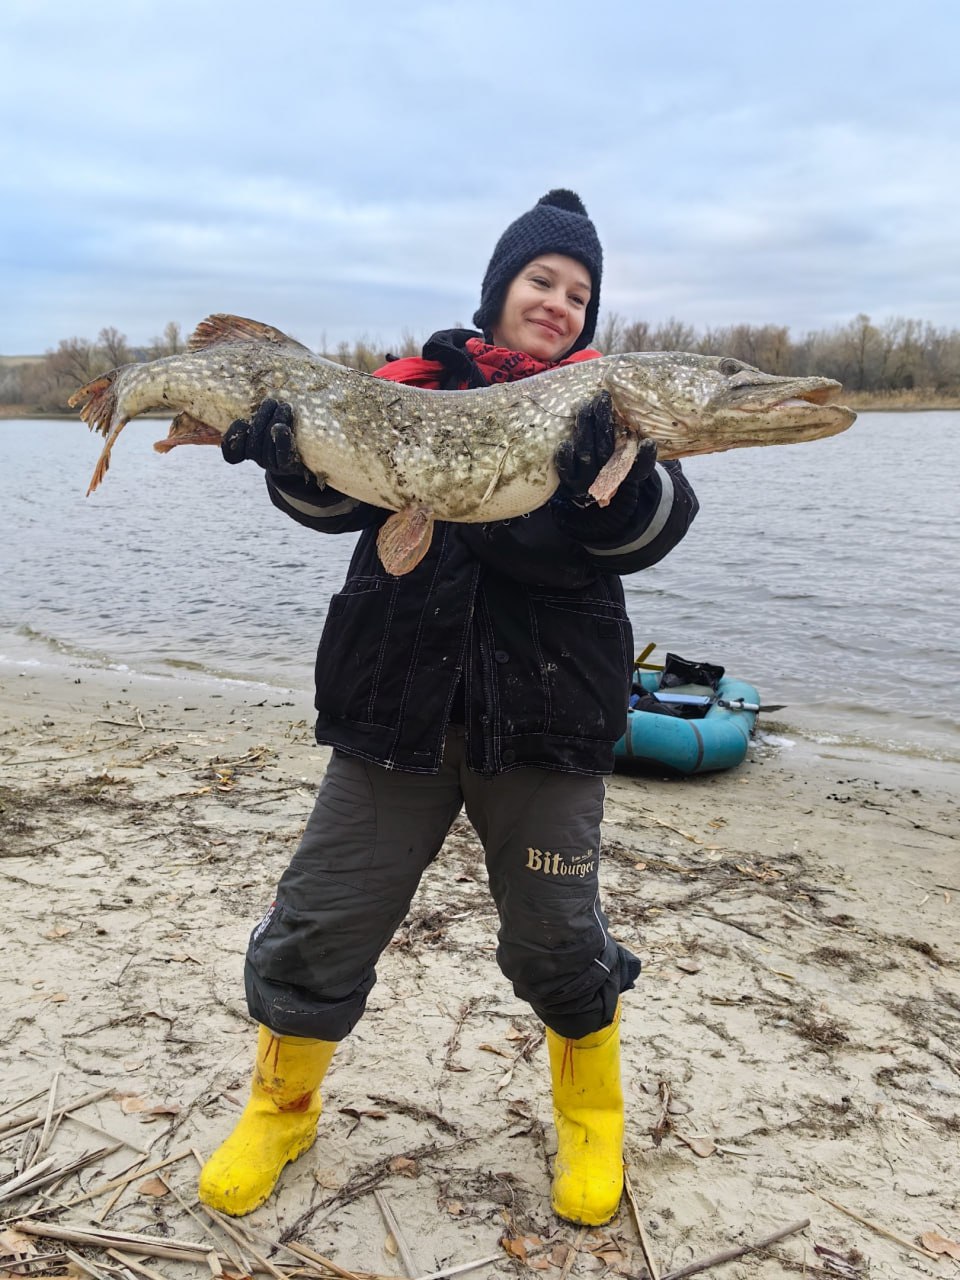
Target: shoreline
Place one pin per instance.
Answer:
(797, 726)
(796, 917)
(795, 742)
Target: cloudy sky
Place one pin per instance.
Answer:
(344, 170)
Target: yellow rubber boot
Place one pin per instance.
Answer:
(278, 1124)
(588, 1112)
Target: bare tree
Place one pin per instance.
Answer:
(113, 343)
(407, 346)
(636, 336)
(673, 335)
(898, 355)
(609, 337)
(941, 358)
(11, 384)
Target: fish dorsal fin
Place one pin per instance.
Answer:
(224, 328)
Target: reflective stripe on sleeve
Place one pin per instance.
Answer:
(654, 528)
(317, 513)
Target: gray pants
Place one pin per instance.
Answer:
(373, 831)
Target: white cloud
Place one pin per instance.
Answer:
(352, 171)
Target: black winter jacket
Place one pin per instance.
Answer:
(530, 620)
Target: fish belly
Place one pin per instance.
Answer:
(484, 483)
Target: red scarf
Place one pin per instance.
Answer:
(496, 364)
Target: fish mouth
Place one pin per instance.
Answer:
(816, 396)
(798, 400)
(810, 411)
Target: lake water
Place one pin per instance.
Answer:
(826, 574)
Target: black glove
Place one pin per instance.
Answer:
(581, 459)
(266, 439)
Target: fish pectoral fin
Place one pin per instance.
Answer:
(186, 429)
(226, 328)
(615, 470)
(405, 539)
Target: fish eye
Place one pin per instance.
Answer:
(729, 367)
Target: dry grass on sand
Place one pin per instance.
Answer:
(794, 1039)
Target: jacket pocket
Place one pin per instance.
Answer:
(584, 654)
(353, 649)
(351, 588)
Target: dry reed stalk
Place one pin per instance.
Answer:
(22, 1124)
(126, 1242)
(644, 1242)
(874, 1226)
(306, 1254)
(393, 1226)
(573, 1254)
(113, 1183)
(728, 1255)
(135, 1265)
(45, 1134)
(239, 1238)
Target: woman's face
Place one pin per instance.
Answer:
(545, 307)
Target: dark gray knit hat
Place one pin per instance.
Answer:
(557, 223)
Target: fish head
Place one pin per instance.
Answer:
(693, 403)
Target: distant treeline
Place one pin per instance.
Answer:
(896, 357)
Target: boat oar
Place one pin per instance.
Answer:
(738, 704)
(640, 662)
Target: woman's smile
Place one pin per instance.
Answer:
(545, 307)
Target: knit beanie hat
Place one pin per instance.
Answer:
(557, 223)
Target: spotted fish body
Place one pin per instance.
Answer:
(466, 456)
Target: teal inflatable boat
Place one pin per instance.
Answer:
(713, 731)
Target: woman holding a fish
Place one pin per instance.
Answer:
(492, 676)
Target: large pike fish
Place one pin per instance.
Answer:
(467, 456)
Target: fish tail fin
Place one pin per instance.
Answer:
(103, 462)
(405, 539)
(99, 400)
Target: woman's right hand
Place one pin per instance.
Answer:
(580, 459)
(267, 440)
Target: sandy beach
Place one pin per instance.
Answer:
(791, 1052)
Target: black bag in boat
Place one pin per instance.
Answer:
(681, 671)
(686, 688)
(642, 701)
